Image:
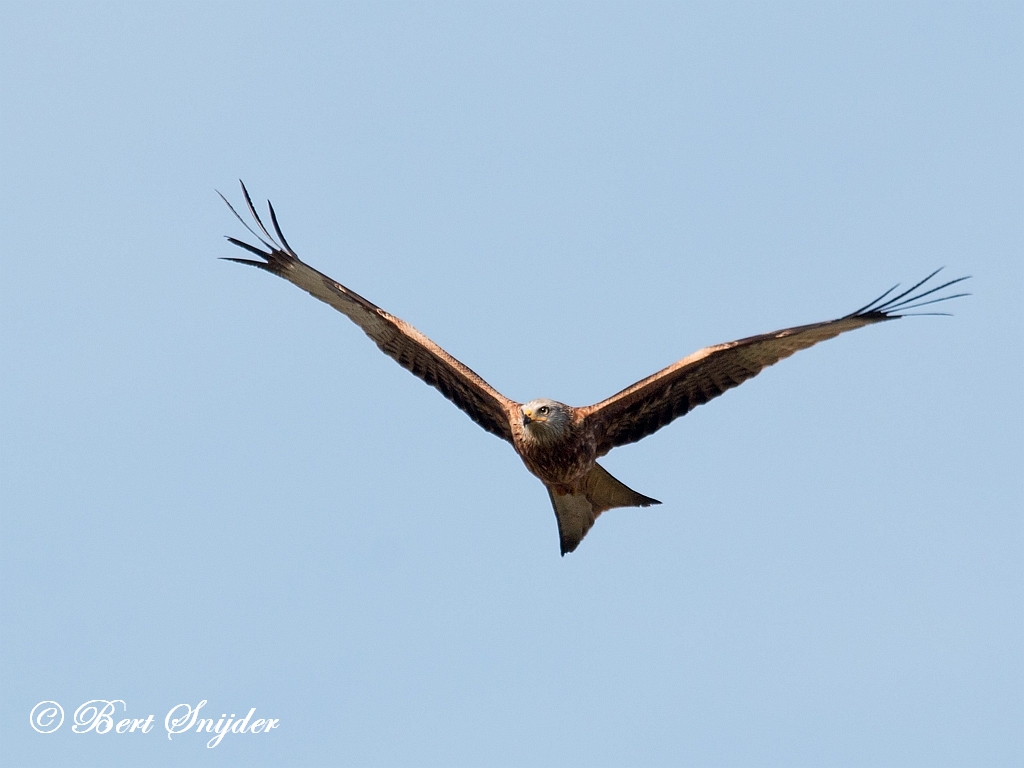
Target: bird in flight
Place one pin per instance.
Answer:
(560, 443)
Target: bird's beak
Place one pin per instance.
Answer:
(526, 419)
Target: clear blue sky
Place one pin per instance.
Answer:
(214, 487)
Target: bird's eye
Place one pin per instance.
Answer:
(542, 409)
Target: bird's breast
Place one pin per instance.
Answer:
(557, 461)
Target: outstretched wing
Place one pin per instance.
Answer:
(396, 338)
(649, 405)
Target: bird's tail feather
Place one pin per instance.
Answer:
(605, 492)
(576, 510)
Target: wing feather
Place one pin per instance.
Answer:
(650, 404)
(396, 338)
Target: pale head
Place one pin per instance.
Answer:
(545, 419)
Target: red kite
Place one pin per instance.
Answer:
(559, 443)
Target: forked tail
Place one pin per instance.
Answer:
(577, 510)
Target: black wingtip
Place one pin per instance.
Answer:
(261, 264)
(246, 246)
(277, 228)
(278, 252)
(884, 308)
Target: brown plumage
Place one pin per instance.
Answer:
(559, 443)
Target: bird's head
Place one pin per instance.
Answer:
(546, 419)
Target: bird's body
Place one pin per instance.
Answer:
(559, 443)
(554, 443)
